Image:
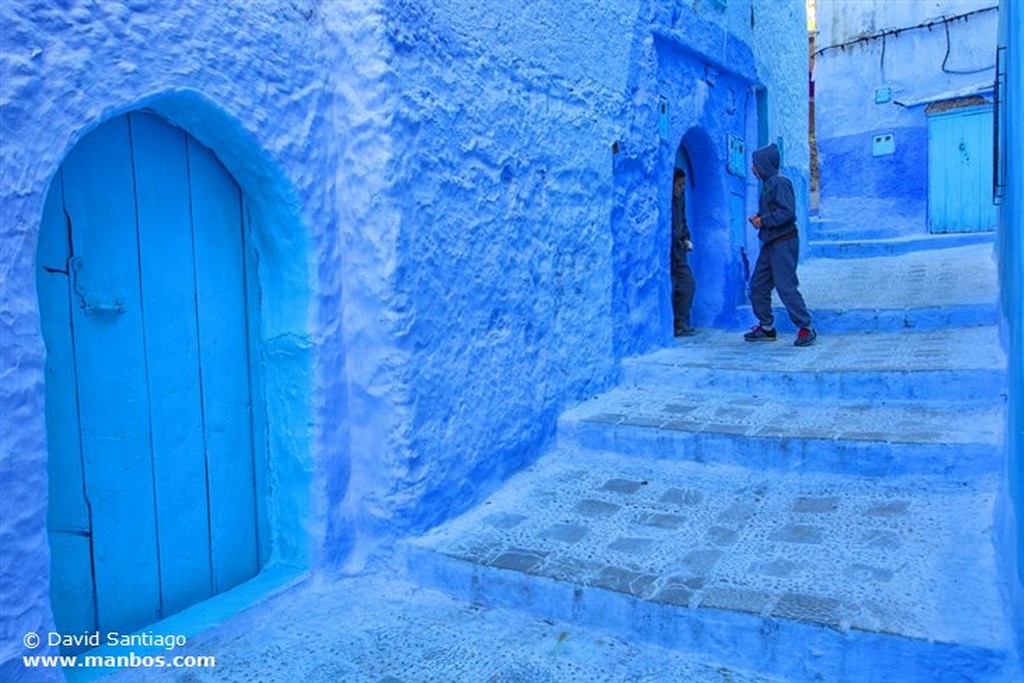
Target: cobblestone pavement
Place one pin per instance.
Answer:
(946, 277)
(959, 349)
(850, 553)
(378, 629)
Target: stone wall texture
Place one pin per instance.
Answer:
(460, 211)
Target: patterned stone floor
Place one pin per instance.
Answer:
(766, 416)
(378, 629)
(949, 277)
(850, 553)
(964, 348)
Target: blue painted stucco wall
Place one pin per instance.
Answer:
(886, 196)
(704, 60)
(461, 219)
(1010, 247)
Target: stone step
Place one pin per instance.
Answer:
(766, 431)
(846, 248)
(825, 229)
(965, 363)
(804, 576)
(920, 290)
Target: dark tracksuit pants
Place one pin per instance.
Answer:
(776, 267)
(683, 285)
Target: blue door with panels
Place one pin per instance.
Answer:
(142, 284)
(960, 171)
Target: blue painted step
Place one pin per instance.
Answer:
(867, 248)
(820, 229)
(966, 363)
(921, 290)
(768, 432)
(811, 577)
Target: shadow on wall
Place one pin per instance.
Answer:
(711, 259)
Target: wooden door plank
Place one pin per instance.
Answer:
(114, 409)
(172, 353)
(988, 217)
(934, 176)
(71, 584)
(67, 510)
(67, 517)
(219, 249)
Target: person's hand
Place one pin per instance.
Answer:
(688, 244)
(755, 221)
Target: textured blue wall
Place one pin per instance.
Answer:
(858, 190)
(451, 249)
(501, 194)
(65, 68)
(1011, 260)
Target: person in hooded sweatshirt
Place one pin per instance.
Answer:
(780, 250)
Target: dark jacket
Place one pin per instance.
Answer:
(680, 230)
(777, 203)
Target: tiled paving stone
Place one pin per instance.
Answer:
(746, 539)
(799, 533)
(896, 508)
(812, 608)
(625, 486)
(569, 533)
(816, 505)
(632, 546)
(675, 594)
(665, 521)
(626, 581)
(596, 508)
(778, 568)
(519, 560)
(737, 599)
(683, 497)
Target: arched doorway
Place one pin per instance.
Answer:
(143, 284)
(708, 220)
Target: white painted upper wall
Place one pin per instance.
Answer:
(779, 42)
(839, 21)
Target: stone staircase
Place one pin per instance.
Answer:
(833, 239)
(818, 514)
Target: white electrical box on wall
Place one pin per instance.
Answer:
(883, 144)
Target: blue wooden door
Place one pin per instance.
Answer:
(960, 171)
(142, 288)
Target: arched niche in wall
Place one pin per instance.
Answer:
(173, 290)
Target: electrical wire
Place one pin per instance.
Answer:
(945, 59)
(897, 31)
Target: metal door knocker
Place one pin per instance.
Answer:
(117, 306)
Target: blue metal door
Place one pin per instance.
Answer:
(142, 289)
(960, 171)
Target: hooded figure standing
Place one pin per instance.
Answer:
(780, 251)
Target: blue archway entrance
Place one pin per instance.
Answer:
(144, 299)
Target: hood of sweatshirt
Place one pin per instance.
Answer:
(766, 161)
